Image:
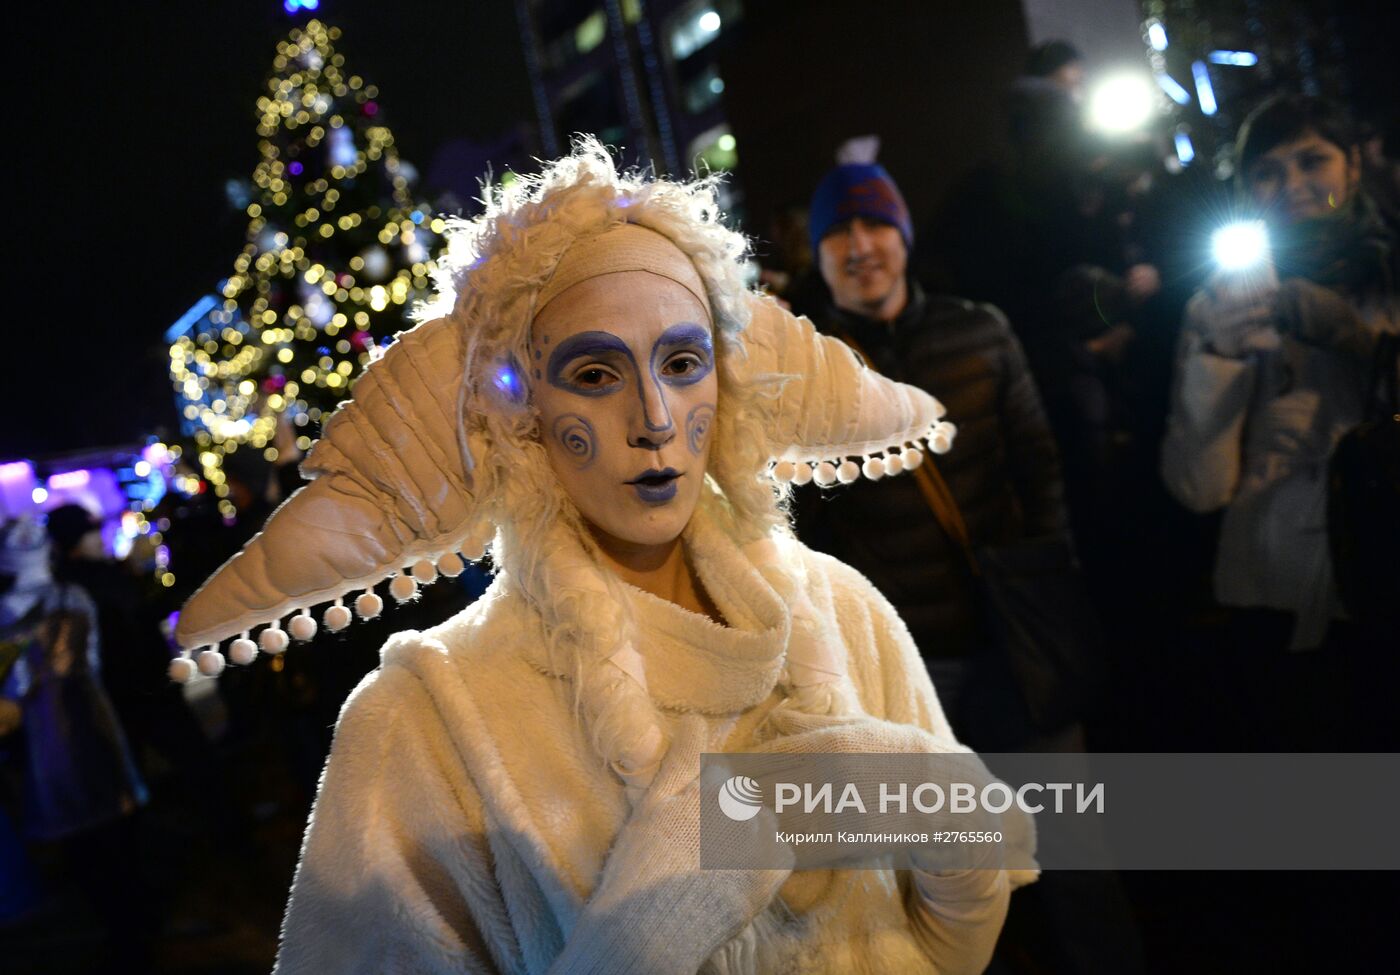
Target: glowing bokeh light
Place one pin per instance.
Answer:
(1173, 89)
(1238, 59)
(1185, 151)
(1121, 103)
(1205, 91)
(1240, 246)
(69, 480)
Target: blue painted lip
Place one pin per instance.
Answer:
(656, 487)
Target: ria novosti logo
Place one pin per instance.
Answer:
(741, 798)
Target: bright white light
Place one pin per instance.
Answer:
(1185, 151)
(709, 22)
(1121, 103)
(39, 495)
(1205, 93)
(726, 143)
(141, 469)
(1240, 246)
(1239, 59)
(1157, 36)
(1174, 91)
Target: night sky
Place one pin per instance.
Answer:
(126, 122)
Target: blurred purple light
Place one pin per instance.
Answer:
(69, 480)
(15, 471)
(294, 168)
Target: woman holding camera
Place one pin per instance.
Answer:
(1275, 365)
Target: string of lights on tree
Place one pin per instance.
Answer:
(337, 252)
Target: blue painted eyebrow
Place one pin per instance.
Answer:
(584, 344)
(685, 333)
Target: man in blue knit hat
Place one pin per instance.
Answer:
(861, 236)
(1004, 477)
(1004, 474)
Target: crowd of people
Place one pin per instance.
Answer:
(1184, 475)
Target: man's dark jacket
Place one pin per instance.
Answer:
(1003, 469)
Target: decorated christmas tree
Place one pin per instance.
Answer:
(337, 252)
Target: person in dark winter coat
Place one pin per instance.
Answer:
(1003, 473)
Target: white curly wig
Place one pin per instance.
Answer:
(497, 263)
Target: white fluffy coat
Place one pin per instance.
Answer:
(464, 818)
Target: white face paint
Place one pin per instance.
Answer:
(622, 373)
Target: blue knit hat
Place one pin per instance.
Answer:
(858, 190)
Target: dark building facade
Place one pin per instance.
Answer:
(642, 75)
(696, 85)
(929, 79)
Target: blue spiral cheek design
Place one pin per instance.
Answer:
(697, 427)
(575, 434)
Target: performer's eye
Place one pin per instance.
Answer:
(686, 366)
(594, 377)
(683, 364)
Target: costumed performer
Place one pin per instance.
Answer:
(599, 398)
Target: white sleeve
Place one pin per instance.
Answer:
(1211, 396)
(396, 873)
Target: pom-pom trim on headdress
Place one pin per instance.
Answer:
(840, 468)
(274, 639)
